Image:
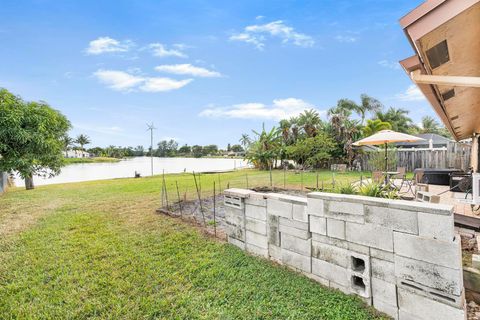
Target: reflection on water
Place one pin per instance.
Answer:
(127, 168)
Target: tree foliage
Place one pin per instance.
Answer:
(32, 137)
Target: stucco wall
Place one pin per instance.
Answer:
(401, 257)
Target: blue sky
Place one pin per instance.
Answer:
(203, 71)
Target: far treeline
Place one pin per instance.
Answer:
(165, 148)
(313, 143)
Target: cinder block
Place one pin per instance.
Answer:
(256, 239)
(331, 272)
(330, 254)
(370, 235)
(256, 226)
(251, 248)
(273, 231)
(257, 199)
(294, 223)
(447, 254)
(331, 241)
(275, 253)
(382, 255)
(384, 291)
(234, 216)
(318, 225)
(395, 219)
(336, 228)
(426, 309)
(303, 234)
(300, 212)
(343, 289)
(237, 232)
(315, 207)
(296, 260)
(322, 281)
(386, 308)
(358, 248)
(237, 192)
(236, 242)
(256, 212)
(344, 210)
(383, 270)
(436, 226)
(279, 208)
(444, 279)
(297, 245)
(359, 264)
(435, 208)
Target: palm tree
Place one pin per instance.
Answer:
(429, 125)
(82, 140)
(245, 141)
(264, 150)
(284, 128)
(309, 120)
(67, 143)
(374, 126)
(397, 118)
(368, 104)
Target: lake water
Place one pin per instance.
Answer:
(126, 168)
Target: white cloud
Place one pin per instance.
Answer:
(188, 69)
(118, 80)
(389, 64)
(346, 38)
(256, 35)
(107, 45)
(126, 82)
(160, 50)
(411, 94)
(163, 84)
(279, 109)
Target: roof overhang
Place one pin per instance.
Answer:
(446, 66)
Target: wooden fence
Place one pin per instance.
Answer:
(454, 155)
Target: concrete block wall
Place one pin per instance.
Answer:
(401, 257)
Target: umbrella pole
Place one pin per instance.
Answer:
(386, 164)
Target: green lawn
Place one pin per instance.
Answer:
(90, 160)
(98, 250)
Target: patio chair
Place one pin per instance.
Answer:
(402, 175)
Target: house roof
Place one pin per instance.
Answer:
(444, 36)
(436, 140)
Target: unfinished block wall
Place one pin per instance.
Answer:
(401, 257)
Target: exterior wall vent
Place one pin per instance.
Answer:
(438, 54)
(448, 94)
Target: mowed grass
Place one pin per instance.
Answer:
(97, 250)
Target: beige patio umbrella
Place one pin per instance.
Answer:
(385, 137)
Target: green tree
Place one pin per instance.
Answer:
(210, 150)
(309, 121)
(367, 104)
(374, 126)
(82, 140)
(167, 148)
(312, 151)
(398, 118)
(185, 150)
(31, 137)
(67, 144)
(236, 148)
(245, 140)
(197, 151)
(264, 150)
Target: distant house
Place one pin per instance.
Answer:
(77, 154)
(431, 140)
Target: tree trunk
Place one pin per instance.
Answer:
(29, 183)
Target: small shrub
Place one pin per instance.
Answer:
(390, 194)
(347, 189)
(371, 190)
